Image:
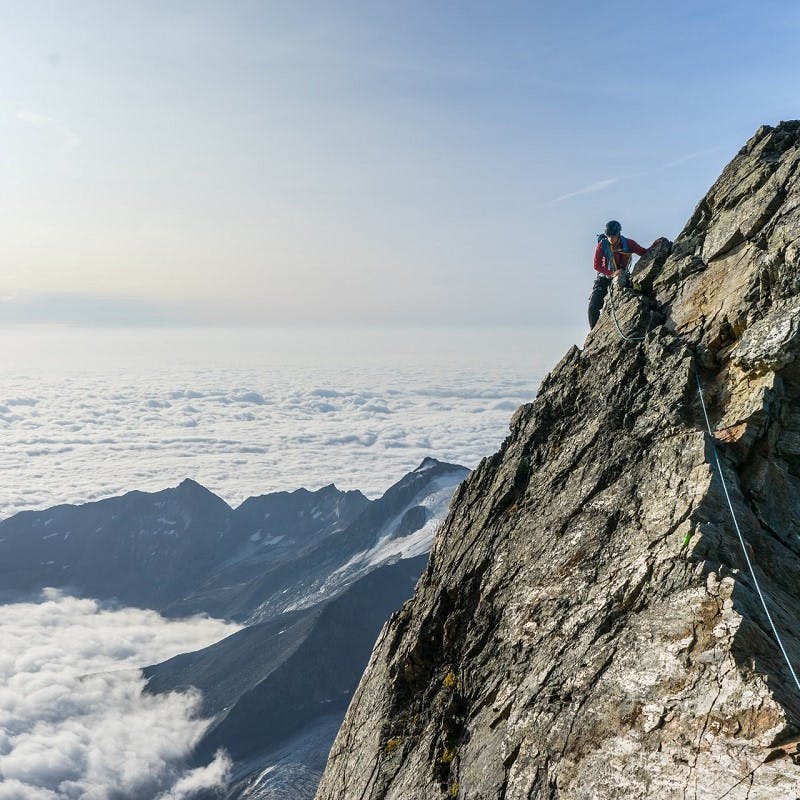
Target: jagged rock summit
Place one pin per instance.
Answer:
(587, 626)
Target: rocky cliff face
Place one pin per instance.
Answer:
(587, 626)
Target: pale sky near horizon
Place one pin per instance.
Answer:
(361, 162)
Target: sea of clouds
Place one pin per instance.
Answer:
(86, 415)
(75, 721)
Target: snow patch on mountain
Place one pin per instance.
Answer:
(390, 545)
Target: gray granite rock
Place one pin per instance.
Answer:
(587, 626)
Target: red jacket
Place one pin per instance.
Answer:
(621, 259)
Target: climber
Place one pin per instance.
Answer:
(611, 246)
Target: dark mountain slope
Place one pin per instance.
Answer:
(184, 551)
(320, 675)
(141, 548)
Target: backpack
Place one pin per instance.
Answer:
(607, 252)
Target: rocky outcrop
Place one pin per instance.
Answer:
(586, 626)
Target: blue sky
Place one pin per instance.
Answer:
(361, 162)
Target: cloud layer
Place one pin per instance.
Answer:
(362, 421)
(74, 721)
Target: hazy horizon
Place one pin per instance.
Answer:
(270, 163)
(246, 412)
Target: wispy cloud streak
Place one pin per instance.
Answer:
(690, 157)
(598, 186)
(592, 187)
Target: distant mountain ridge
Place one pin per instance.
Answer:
(312, 574)
(184, 550)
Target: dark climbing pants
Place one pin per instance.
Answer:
(601, 284)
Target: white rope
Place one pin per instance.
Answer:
(739, 532)
(735, 523)
(614, 316)
(727, 497)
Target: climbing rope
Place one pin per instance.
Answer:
(749, 565)
(616, 322)
(727, 497)
(735, 523)
(739, 532)
(736, 526)
(611, 263)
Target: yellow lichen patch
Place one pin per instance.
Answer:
(453, 791)
(392, 745)
(450, 680)
(447, 756)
